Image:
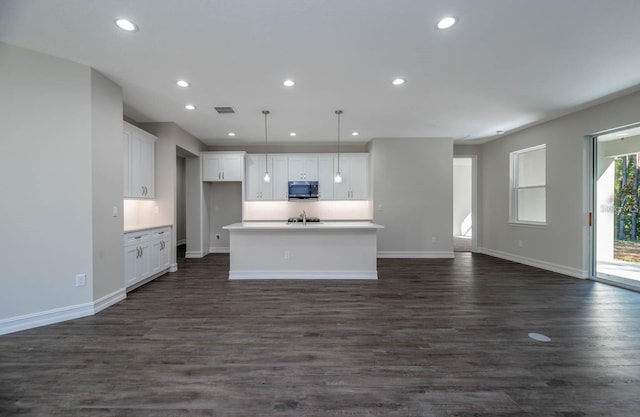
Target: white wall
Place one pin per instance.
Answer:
(50, 110)
(563, 245)
(413, 196)
(181, 206)
(107, 178)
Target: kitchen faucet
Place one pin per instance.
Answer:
(304, 217)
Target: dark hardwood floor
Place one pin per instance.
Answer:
(429, 338)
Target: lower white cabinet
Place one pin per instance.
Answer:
(146, 254)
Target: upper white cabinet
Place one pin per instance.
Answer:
(325, 177)
(279, 175)
(303, 168)
(258, 190)
(354, 169)
(139, 162)
(222, 166)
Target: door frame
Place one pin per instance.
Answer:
(592, 169)
(475, 229)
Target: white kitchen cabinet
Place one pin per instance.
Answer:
(160, 250)
(222, 166)
(354, 169)
(279, 175)
(137, 257)
(326, 174)
(256, 188)
(147, 254)
(139, 163)
(303, 168)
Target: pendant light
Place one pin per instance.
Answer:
(267, 177)
(338, 177)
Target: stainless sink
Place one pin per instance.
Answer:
(294, 220)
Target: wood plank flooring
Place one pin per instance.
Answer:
(429, 338)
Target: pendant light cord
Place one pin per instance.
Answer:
(266, 142)
(338, 112)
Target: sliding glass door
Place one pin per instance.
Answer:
(616, 205)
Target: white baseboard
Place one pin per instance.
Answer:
(193, 254)
(214, 249)
(173, 268)
(109, 300)
(240, 275)
(560, 269)
(58, 315)
(415, 254)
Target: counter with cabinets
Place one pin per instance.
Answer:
(281, 250)
(147, 255)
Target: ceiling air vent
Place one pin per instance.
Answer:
(225, 110)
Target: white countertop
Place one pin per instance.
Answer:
(283, 225)
(141, 227)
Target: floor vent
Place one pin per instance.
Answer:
(225, 110)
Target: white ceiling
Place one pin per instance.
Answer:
(507, 63)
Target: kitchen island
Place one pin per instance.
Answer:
(324, 250)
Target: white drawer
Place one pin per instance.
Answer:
(137, 237)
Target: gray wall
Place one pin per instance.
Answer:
(224, 207)
(56, 117)
(413, 195)
(563, 245)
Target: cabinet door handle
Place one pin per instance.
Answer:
(141, 252)
(222, 174)
(137, 252)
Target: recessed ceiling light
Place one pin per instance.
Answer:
(289, 83)
(622, 134)
(231, 133)
(190, 107)
(447, 22)
(354, 133)
(292, 134)
(126, 24)
(183, 83)
(398, 81)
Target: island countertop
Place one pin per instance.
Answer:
(284, 225)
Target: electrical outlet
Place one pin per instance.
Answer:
(519, 243)
(81, 280)
(217, 237)
(287, 254)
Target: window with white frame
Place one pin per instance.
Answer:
(528, 186)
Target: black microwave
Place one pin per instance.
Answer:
(303, 189)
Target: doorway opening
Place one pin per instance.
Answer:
(464, 239)
(616, 202)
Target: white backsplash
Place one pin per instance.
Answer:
(140, 213)
(325, 210)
